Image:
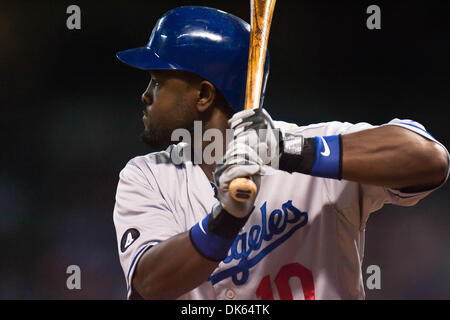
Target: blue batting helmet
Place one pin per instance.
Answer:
(208, 42)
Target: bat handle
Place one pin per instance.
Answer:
(242, 189)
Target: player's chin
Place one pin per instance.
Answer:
(154, 140)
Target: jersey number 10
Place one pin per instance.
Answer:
(281, 281)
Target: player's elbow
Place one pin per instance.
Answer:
(150, 288)
(427, 164)
(147, 290)
(438, 163)
(152, 282)
(432, 164)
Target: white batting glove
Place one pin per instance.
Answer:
(255, 128)
(239, 161)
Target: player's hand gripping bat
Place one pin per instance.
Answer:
(242, 189)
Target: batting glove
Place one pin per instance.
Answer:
(255, 128)
(239, 161)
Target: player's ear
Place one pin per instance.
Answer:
(207, 95)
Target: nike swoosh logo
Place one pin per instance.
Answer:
(201, 227)
(325, 153)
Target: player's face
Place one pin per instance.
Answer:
(169, 100)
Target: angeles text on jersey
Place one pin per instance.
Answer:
(288, 218)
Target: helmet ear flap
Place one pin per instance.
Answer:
(208, 42)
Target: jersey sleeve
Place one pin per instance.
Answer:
(142, 218)
(357, 201)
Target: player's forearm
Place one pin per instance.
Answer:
(171, 268)
(394, 157)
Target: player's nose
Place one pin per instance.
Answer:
(146, 98)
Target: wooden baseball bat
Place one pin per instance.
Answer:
(243, 189)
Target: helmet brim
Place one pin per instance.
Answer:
(145, 59)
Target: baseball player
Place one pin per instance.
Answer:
(180, 233)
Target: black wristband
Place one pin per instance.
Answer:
(224, 224)
(303, 162)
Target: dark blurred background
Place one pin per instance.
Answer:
(71, 117)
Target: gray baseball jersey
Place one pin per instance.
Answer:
(304, 240)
